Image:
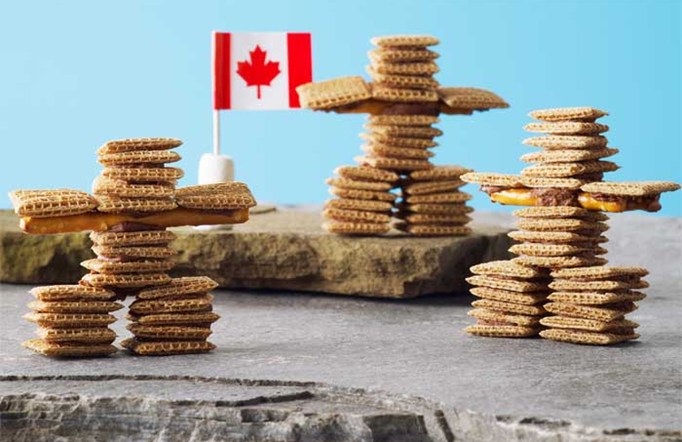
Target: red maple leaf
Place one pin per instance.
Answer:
(257, 72)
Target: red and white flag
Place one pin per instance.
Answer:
(256, 71)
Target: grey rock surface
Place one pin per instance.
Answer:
(375, 365)
(277, 250)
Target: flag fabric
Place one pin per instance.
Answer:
(258, 71)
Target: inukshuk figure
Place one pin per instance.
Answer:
(559, 285)
(135, 201)
(395, 182)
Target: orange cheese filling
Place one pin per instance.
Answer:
(588, 202)
(514, 197)
(99, 221)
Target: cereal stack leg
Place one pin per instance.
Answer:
(399, 142)
(590, 304)
(512, 298)
(174, 318)
(73, 321)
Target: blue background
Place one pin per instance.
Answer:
(75, 74)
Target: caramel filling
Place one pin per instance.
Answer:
(514, 197)
(99, 221)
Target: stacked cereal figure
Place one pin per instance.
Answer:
(135, 200)
(404, 102)
(559, 281)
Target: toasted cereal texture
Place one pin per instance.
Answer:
(138, 144)
(70, 320)
(136, 280)
(501, 331)
(567, 170)
(539, 249)
(348, 183)
(93, 335)
(49, 203)
(417, 143)
(362, 194)
(178, 287)
(568, 113)
(143, 174)
(559, 183)
(403, 95)
(562, 142)
(600, 272)
(530, 298)
(493, 179)
(69, 350)
(587, 324)
(113, 204)
(355, 228)
(429, 187)
(72, 292)
(403, 120)
(507, 269)
(391, 41)
(169, 332)
(606, 313)
(561, 224)
(402, 81)
(333, 93)
(144, 266)
(166, 348)
(631, 188)
(394, 164)
(405, 131)
(436, 209)
(426, 218)
(469, 98)
(508, 307)
(556, 237)
(356, 216)
(568, 155)
(156, 252)
(189, 319)
(138, 157)
(424, 68)
(439, 173)
(108, 187)
(141, 238)
(386, 55)
(502, 317)
(355, 204)
(567, 128)
(605, 285)
(587, 338)
(366, 173)
(435, 230)
(164, 305)
(552, 212)
(504, 283)
(438, 198)
(384, 151)
(559, 261)
(220, 196)
(74, 306)
(596, 298)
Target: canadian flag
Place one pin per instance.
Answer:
(261, 70)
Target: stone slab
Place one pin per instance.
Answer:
(284, 249)
(381, 357)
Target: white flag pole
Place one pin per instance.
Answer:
(216, 132)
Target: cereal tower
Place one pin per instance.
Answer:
(395, 182)
(559, 286)
(135, 200)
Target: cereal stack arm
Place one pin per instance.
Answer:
(561, 236)
(135, 200)
(403, 101)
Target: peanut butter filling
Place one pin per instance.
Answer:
(99, 221)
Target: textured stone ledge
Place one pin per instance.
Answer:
(277, 250)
